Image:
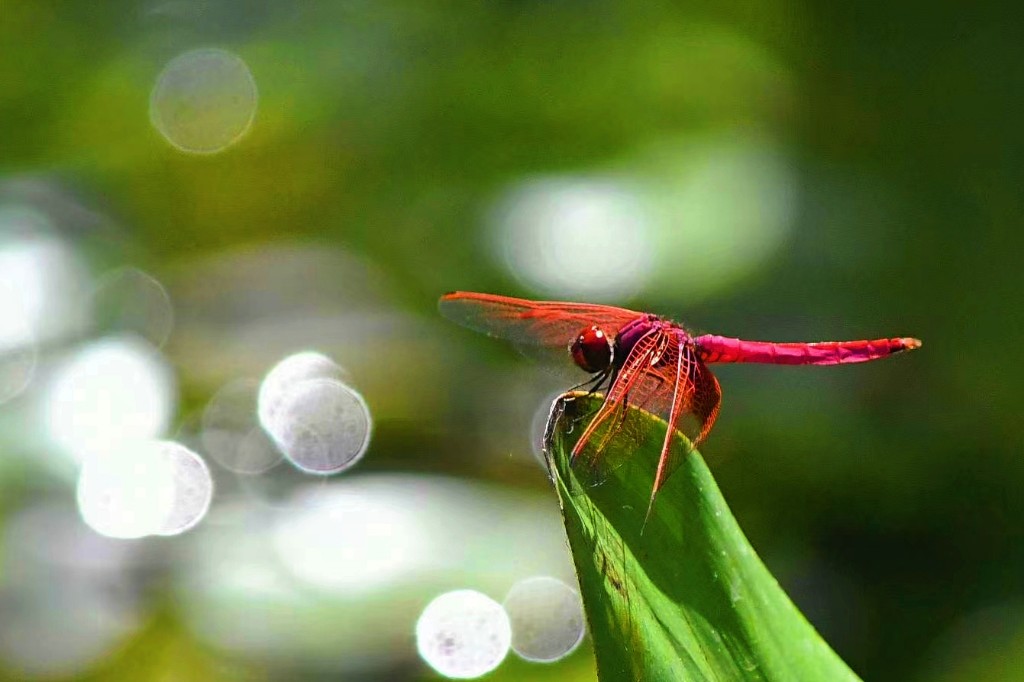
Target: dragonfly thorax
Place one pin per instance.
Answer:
(630, 334)
(592, 350)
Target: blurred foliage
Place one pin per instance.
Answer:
(884, 497)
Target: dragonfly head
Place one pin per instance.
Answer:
(592, 350)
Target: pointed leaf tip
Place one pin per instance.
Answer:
(684, 596)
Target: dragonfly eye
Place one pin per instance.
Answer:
(592, 350)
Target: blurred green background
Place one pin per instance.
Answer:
(773, 170)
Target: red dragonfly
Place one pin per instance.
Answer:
(653, 361)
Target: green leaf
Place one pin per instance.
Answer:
(685, 597)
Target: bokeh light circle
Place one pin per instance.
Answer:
(113, 390)
(287, 374)
(231, 435)
(351, 539)
(39, 277)
(204, 100)
(323, 426)
(17, 365)
(128, 491)
(463, 634)
(539, 425)
(579, 237)
(130, 301)
(723, 207)
(547, 619)
(41, 280)
(193, 488)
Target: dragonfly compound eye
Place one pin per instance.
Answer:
(592, 350)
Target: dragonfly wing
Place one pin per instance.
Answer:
(683, 390)
(588, 455)
(537, 323)
(681, 387)
(707, 398)
(705, 395)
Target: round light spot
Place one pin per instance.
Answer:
(17, 367)
(127, 491)
(279, 487)
(204, 100)
(463, 634)
(351, 539)
(723, 207)
(39, 275)
(287, 374)
(111, 391)
(323, 426)
(193, 488)
(41, 280)
(230, 433)
(22, 290)
(128, 300)
(547, 619)
(539, 426)
(575, 237)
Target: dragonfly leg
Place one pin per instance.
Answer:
(612, 377)
(625, 410)
(620, 418)
(610, 374)
(593, 383)
(622, 412)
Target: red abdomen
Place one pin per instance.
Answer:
(724, 349)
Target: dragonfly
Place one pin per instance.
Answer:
(644, 359)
